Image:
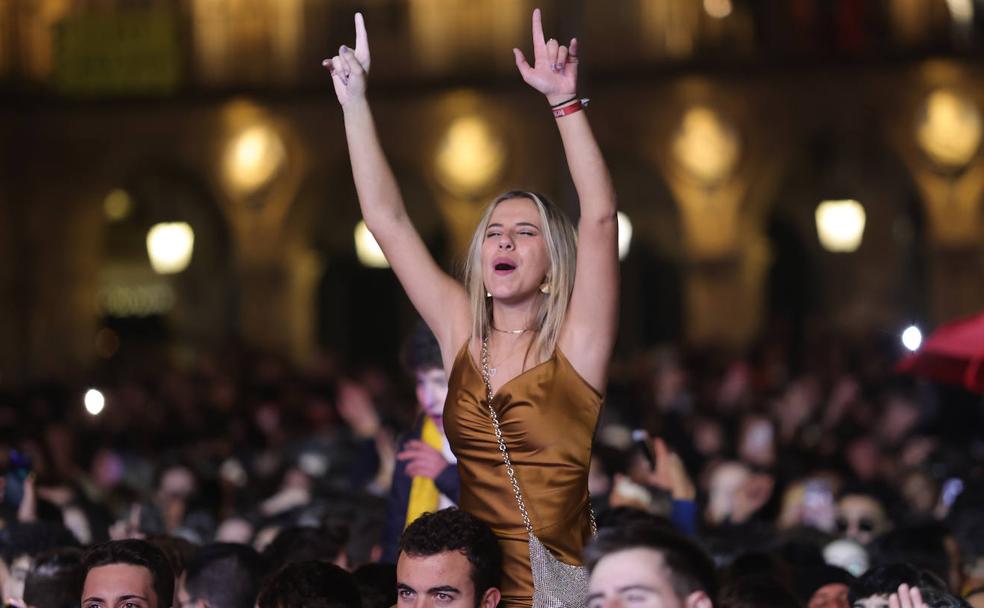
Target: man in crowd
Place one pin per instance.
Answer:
(126, 572)
(55, 579)
(642, 565)
(426, 476)
(448, 559)
(221, 575)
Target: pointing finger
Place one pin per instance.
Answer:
(539, 44)
(361, 41)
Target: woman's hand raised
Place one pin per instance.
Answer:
(350, 69)
(554, 70)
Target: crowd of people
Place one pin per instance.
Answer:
(529, 470)
(779, 480)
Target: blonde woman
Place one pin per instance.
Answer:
(536, 316)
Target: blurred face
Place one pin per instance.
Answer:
(725, 483)
(432, 390)
(441, 580)
(860, 518)
(515, 259)
(833, 595)
(634, 577)
(119, 586)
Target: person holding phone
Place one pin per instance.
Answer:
(533, 324)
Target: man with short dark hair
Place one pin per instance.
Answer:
(310, 584)
(55, 579)
(643, 565)
(221, 575)
(126, 571)
(449, 559)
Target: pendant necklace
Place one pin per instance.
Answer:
(514, 332)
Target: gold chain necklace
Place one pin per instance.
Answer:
(514, 332)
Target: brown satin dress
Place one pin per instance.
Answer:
(548, 416)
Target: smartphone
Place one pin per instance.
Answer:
(19, 468)
(642, 442)
(818, 508)
(952, 488)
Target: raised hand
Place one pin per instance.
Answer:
(906, 597)
(422, 460)
(554, 70)
(350, 69)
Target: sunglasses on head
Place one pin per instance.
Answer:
(865, 524)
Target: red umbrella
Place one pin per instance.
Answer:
(953, 354)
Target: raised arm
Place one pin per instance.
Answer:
(589, 330)
(439, 299)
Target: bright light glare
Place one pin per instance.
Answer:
(912, 338)
(253, 157)
(94, 402)
(840, 225)
(719, 9)
(624, 235)
(170, 246)
(117, 205)
(470, 156)
(962, 11)
(366, 247)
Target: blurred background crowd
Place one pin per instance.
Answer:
(792, 459)
(200, 343)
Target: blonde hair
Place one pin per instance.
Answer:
(561, 241)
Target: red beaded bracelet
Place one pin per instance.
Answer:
(576, 106)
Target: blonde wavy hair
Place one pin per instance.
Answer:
(561, 240)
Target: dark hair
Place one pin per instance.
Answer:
(809, 579)
(966, 519)
(757, 591)
(934, 598)
(136, 553)
(55, 579)
(377, 584)
(177, 550)
(885, 580)
(310, 584)
(226, 575)
(421, 351)
(32, 538)
(454, 530)
(921, 545)
(690, 568)
(305, 543)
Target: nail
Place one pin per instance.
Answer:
(326, 62)
(344, 49)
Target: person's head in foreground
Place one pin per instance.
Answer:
(900, 585)
(55, 579)
(310, 584)
(648, 567)
(221, 575)
(448, 558)
(132, 573)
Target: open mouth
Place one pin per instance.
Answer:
(503, 266)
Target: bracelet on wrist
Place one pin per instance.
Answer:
(563, 103)
(573, 106)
